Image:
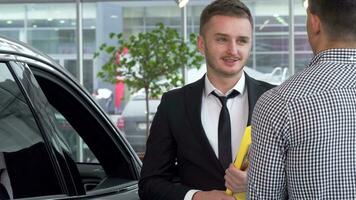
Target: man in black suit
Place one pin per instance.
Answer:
(185, 153)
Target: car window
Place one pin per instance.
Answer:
(65, 167)
(79, 150)
(109, 163)
(42, 108)
(26, 163)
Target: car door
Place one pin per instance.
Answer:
(106, 166)
(27, 158)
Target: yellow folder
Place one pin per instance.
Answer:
(241, 160)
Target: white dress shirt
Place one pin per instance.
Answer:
(210, 112)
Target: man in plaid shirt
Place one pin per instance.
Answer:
(304, 131)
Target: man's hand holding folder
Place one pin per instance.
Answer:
(238, 169)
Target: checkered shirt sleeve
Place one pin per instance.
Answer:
(304, 133)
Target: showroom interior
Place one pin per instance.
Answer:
(71, 31)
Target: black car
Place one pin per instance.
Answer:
(55, 141)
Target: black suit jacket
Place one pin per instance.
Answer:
(178, 154)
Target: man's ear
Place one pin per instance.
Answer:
(200, 44)
(315, 24)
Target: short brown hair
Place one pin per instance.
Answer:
(337, 16)
(224, 7)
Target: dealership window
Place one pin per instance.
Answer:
(52, 28)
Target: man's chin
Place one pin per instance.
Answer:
(231, 74)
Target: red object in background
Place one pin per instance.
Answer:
(120, 123)
(117, 57)
(119, 93)
(125, 51)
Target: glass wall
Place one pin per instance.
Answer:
(302, 50)
(270, 35)
(52, 28)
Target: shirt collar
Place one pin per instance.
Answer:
(209, 87)
(335, 55)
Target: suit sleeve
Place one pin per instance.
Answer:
(159, 170)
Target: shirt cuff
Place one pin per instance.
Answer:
(190, 194)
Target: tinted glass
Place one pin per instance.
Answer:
(26, 160)
(73, 139)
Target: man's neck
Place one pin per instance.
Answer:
(336, 45)
(224, 84)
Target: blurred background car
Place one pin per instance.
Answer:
(133, 121)
(56, 142)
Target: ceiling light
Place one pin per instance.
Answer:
(182, 3)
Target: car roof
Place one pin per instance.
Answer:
(12, 47)
(19, 51)
(12, 50)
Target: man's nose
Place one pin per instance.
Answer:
(232, 48)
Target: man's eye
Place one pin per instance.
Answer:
(242, 41)
(221, 39)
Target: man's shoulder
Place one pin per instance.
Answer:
(176, 92)
(266, 85)
(258, 83)
(293, 88)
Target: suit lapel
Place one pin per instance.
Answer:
(254, 90)
(193, 102)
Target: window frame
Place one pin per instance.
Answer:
(49, 149)
(108, 129)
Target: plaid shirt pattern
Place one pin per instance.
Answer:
(304, 133)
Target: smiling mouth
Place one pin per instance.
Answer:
(230, 59)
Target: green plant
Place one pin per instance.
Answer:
(151, 60)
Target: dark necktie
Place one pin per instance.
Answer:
(224, 130)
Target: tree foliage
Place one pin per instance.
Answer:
(152, 60)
